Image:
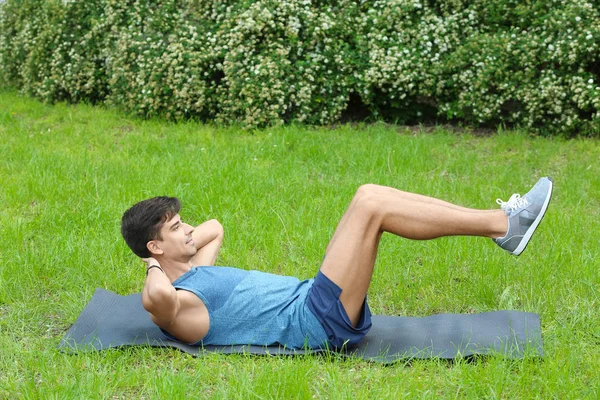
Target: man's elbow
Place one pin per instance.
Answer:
(218, 227)
(217, 230)
(157, 296)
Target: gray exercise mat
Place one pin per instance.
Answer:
(110, 320)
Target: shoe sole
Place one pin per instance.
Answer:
(521, 247)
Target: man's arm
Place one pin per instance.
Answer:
(159, 297)
(208, 238)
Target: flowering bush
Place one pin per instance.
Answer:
(287, 61)
(158, 65)
(533, 64)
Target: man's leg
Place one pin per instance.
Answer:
(351, 254)
(407, 196)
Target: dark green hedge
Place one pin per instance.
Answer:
(531, 64)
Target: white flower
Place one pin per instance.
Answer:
(577, 19)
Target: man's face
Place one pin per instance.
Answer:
(177, 242)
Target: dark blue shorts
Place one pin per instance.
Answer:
(324, 302)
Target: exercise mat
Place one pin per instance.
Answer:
(110, 320)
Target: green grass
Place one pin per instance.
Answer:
(67, 173)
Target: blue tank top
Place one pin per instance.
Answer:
(253, 307)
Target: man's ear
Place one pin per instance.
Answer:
(154, 247)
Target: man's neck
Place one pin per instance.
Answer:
(174, 269)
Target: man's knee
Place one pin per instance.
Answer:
(366, 190)
(367, 199)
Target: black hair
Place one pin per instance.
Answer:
(143, 221)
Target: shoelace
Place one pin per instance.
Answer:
(515, 202)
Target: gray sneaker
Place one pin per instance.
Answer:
(524, 215)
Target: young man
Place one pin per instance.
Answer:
(194, 302)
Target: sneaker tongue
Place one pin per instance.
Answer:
(514, 203)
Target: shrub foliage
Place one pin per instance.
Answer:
(533, 63)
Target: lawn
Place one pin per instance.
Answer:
(68, 172)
